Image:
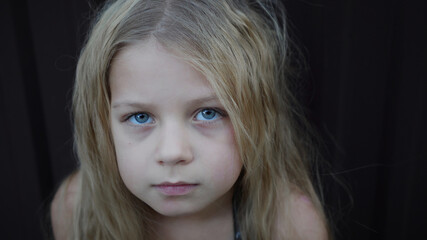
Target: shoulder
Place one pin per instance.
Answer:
(63, 204)
(307, 222)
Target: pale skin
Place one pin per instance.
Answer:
(175, 150)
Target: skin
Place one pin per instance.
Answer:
(63, 205)
(309, 226)
(170, 128)
(176, 143)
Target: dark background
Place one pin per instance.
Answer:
(364, 90)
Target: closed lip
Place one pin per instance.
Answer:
(175, 189)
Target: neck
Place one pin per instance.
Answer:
(214, 223)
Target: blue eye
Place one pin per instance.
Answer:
(140, 118)
(207, 114)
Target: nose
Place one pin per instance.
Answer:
(174, 147)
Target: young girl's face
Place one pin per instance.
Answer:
(174, 141)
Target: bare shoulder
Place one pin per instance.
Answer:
(307, 221)
(63, 204)
(309, 224)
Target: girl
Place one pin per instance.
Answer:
(185, 127)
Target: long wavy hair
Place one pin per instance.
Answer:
(241, 47)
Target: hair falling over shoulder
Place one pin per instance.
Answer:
(241, 47)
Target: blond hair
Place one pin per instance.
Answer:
(241, 48)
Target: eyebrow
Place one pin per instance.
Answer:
(196, 101)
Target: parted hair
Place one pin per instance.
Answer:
(241, 47)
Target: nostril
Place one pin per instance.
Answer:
(174, 162)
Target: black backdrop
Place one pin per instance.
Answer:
(365, 91)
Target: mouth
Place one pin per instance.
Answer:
(175, 189)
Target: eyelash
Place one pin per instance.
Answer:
(221, 113)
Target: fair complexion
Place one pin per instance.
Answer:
(176, 152)
(308, 224)
(63, 205)
(174, 142)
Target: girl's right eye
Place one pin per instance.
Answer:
(140, 118)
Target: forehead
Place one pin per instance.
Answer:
(148, 71)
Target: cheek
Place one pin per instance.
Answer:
(225, 172)
(229, 170)
(225, 164)
(126, 164)
(131, 162)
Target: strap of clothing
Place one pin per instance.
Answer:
(237, 234)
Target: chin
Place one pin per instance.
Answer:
(174, 213)
(169, 209)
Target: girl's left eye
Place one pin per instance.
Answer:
(207, 114)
